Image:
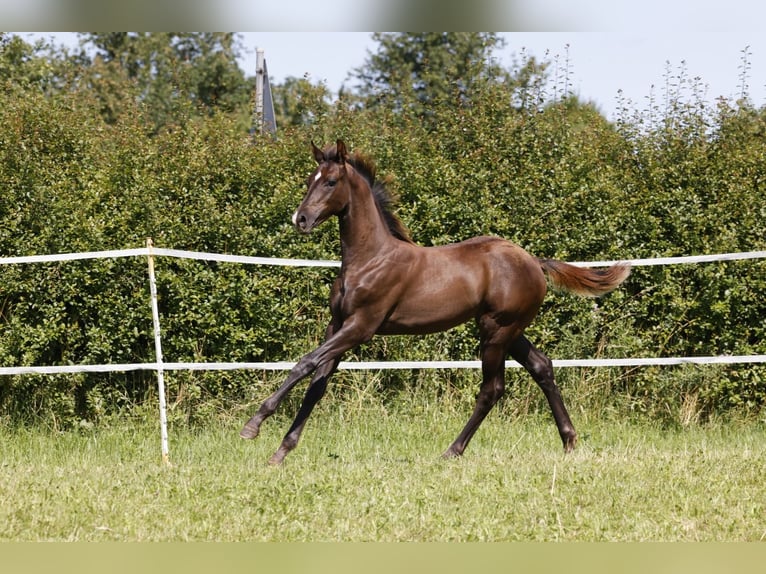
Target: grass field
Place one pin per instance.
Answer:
(375, 475)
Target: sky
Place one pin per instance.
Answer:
(601, 64)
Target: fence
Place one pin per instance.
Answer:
(151, 252)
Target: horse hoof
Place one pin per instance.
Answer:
(249, 431)
(276, 459)
(451, 454)
(570, 443)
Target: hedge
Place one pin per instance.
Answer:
(559, 180)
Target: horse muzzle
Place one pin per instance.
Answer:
(304, 223)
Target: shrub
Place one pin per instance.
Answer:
(559, 180)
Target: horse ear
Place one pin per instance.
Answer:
(341, 151)
(318, 154)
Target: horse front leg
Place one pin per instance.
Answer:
(314, 393)
(302, 369)
(356, 330)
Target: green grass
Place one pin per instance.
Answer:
(375, 474)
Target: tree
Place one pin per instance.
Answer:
(166, 70)
(38, 66)
(425, 68)
(298, 102)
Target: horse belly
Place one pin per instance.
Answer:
(438, 308)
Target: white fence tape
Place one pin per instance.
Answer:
(176, 253)
(141, 252)
(247, 260)
(678, 260)
(380, 365)
(251, 260)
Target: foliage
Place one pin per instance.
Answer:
(165, 70)
(298, 102)
(427, 69)
(504, 154)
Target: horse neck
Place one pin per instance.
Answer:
(363, 233)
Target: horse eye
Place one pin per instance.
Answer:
(332, 182)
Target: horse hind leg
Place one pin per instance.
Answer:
(492, 388)
(541, 368)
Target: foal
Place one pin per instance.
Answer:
(389, 285)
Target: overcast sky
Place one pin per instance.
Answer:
(600, 63)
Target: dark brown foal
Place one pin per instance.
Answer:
(389, 285)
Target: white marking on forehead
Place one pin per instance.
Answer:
(318, 175)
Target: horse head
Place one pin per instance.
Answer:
(328, 188)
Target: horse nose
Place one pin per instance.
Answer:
(299, 221)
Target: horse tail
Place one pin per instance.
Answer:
(584, 281)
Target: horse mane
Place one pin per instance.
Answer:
(384, 199)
